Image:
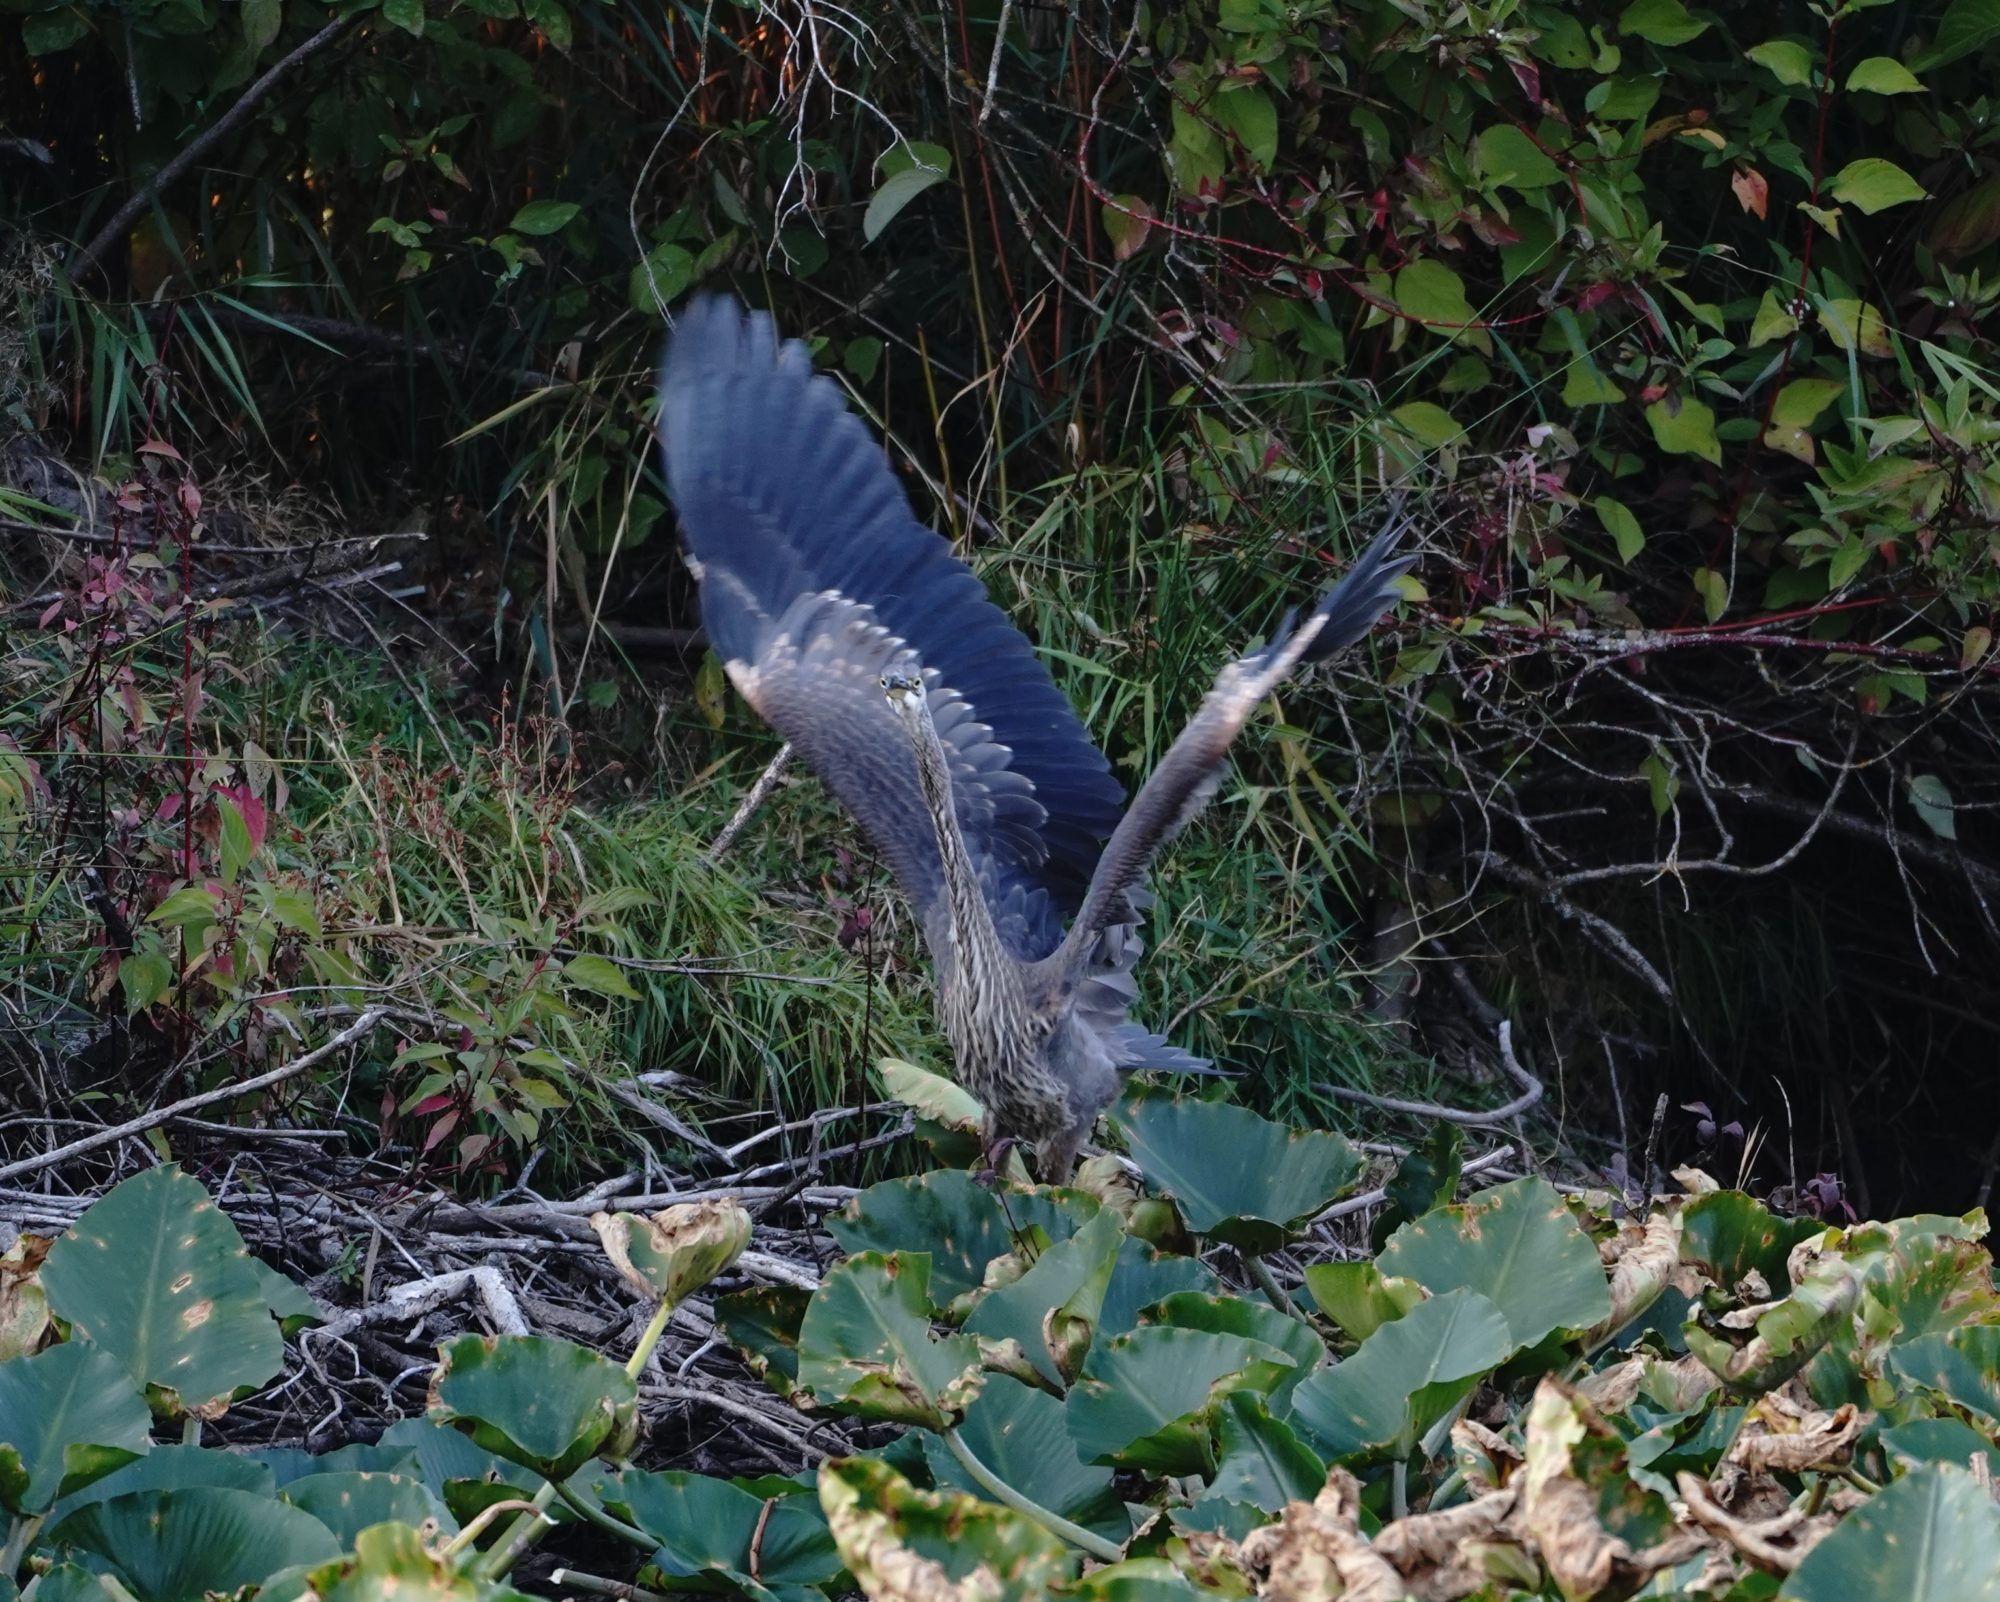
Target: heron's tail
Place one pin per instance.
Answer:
(1365, 591)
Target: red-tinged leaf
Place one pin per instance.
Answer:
(255, 818)
(1128, 219)
(1529, 77)
(190, 499)
(1753, 194)
(169, 808)
(49, 616)
(159, 447)
(443, 1127)
(431, 1104)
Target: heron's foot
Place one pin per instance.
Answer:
(995, 1157)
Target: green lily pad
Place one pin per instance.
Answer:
(1932, 1536)
(1785, 1335)
(1260, 1460)
(1142, 1399)
(706, 1526)
(172, 1468)
(155, 1275)
(1235, 1176)
(899, 1541)
(1145, 1579)
(168, 1546)
(1426, 1178)
(1405, 1377)
(1519, 1247)
(1357, 1298)
(1237, 1315)
(348, 1503)
(547, 1404)
(1144, 1275)
(960, 1225)
(1022, 1435)
(762, 1323)
(1068, 1280)
(1962, 1365)
(68, 1416)
(390, 1560)
(1730, 1235)
(866, 1345)
(1939, 1440)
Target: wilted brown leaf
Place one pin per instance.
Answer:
(1440, 1555)
(1783, 1436)
(1775, 1545)
(1316, 1551)
(1753, 194)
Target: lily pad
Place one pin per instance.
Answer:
(1357, 1298)
(866, 1345)
(1260, 1460)
(1142, 1276)
(1407, 1375)
(708, 1526)
(1730, 1235)
(1022, 1435)
(170, 1545)
(1962, 1365)
(348, 1503)
(898, 1541)
(1932, 1536)
(1519, 1247)
(762, 1323)
(68, 1416)
(1142, 1399)
(1236, 1177)
(1058, 1299)
(960, 1225)
(155, 1275)
(544, 1403)
(391, 1561)
(1236, 1315)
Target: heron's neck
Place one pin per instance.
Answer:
(979, 953)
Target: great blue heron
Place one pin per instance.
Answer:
(858, 635)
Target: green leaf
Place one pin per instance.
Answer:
(348, 1503)
(1873, 184)
(1236, 1177)
(1259, 1460)
(1884, 75)
(1787, 1333)
(1731, 1235)
(1962, 1365)
(1773, 320)
(1058, 1299)
(1248, 113)
(1517, 1245)
(170, 1545)
(890, 1534)
(1685, 426)
(896, 192)
(1939, 1440)
(68, 1416)
(1621, 525)
(1195, 150)
(541, 1402)
(1406, 1376)
(1787, 61)
(866, 1345)
(1234, 1315)
(1435, 295)
(234, 843)
(552, 20)
(960, 1225)
(44, 33)
(155, 1275)
(1966, 26)
(1662, 22)
(295, 910)
(1932, 1536)
(1431, 423)
(674, 1253)
(390, 1560)
(1142, 1277)
(1127, 220)
(541, 217)
(405, 14)
(1505, 154)
(1357, 1298)
(1137, 1580)
(659, 279)
(939, 1099)
(1022, 1435)
(145, 977)
(762, 1323)
(1143, 1399)
(599, 975)
(1848, 559)
(1801, 401)
(705, 1526)
(1930, 796)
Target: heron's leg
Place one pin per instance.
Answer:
(1056, 1155)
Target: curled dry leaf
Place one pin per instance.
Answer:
(1316, 1550)
(674, 1253)
(1441, 1556)
(24, 1307)
(1614, 1389)
(1681, 1385)
(1485, 1457)
(1782, 1436)
(1775, 1545)
(1642, 1259)
(1559, 1511)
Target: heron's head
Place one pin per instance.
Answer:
(906, 694)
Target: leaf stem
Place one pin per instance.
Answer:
(1267, 1282)
(650, 1338)
(606, 1522)
(1096, 1545)
(520, 1535)
(597, 1585)
(1399, 1488)
(18, 1536)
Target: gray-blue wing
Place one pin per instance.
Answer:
(803, 543)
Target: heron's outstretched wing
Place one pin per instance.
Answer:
(815, 576)
(1188, 775)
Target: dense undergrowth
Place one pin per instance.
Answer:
(1523, 1396)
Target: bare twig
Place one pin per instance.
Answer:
(1530, 1094)
(208, 1098)
(766, 782)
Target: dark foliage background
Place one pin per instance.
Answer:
(1680, 317)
